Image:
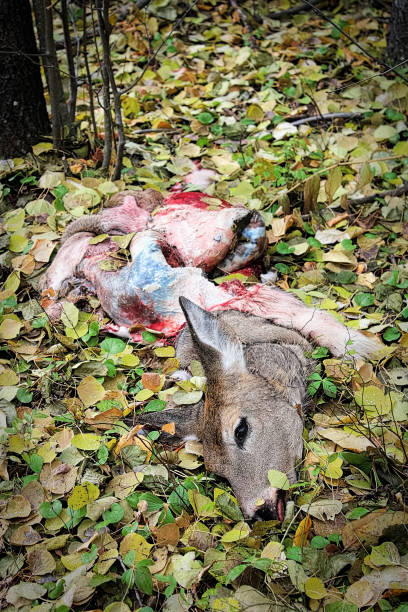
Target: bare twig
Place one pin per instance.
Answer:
(73, 86)
(104, 27)
(107, 117)
(88, 73)
(374, 76)
(381, 194)
(324, 117)
(352, 40)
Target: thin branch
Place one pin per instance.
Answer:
(73, 87)
(323, 117)
(374, 76)
(352, 40)
(381, 194)
(107, 117)
(88, 73)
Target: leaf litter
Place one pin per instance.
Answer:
(97, 514)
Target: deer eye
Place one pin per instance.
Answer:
(241, 432)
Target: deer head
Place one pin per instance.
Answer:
(251, 420)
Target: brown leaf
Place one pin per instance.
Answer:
(17, 507)
(41, 562)
(25, 536)
(152, 381)
(167, 534)
(369, 528)
(34, 493)
(42, 250)
(57, 477)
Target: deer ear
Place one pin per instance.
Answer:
(218, 350)
(187, 421)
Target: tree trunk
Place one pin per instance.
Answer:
(23, 114)
(397, 39)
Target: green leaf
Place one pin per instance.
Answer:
(329, 388)
(364, 299)
(357, 513)
(235, 572)
(113, 346)
(391, 334)
(36, 463)
(319, 542)
(143, 580)
(24, 396)
(103, 454)
(320, 352)
(114, 514)
(88, 557)
(279, 480)
(50, 510)
(149, 337)
(205, 118)
(154, 406)
(284, 249)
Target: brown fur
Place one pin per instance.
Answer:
(256, 371)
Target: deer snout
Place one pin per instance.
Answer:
(273, 509)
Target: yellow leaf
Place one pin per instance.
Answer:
(47, 453)
(373, 400)
(130, 360)
(136, 542)
(90, 391)
(12, 282)
(8, 378)
(42, 147)
(315, 589)
(143, 395)
(9, 329)
(17, 444)
(240, 532)
(82, 495)
(86, 441)
(72, 562)
(17, 243)
(300, 537)
(165, 351)
(333, 468)
(69, 315)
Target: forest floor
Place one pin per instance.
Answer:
(99, 518)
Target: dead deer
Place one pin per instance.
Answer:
(252, 419)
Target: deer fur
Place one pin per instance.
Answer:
(255, 371)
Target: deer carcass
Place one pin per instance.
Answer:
(251, 340)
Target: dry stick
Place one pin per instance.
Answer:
(381, 194)
(73, 87)
(104, 26)
(324, 117)
(88, 72)
(155, 131)
(107, 117)
(52, 71)
(352, 40)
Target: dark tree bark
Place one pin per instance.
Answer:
(397, 39)
(23, 114)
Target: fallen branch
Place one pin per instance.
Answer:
(154, 131)
(381, 194)
(325, 117)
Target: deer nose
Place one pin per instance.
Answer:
(266, 513)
